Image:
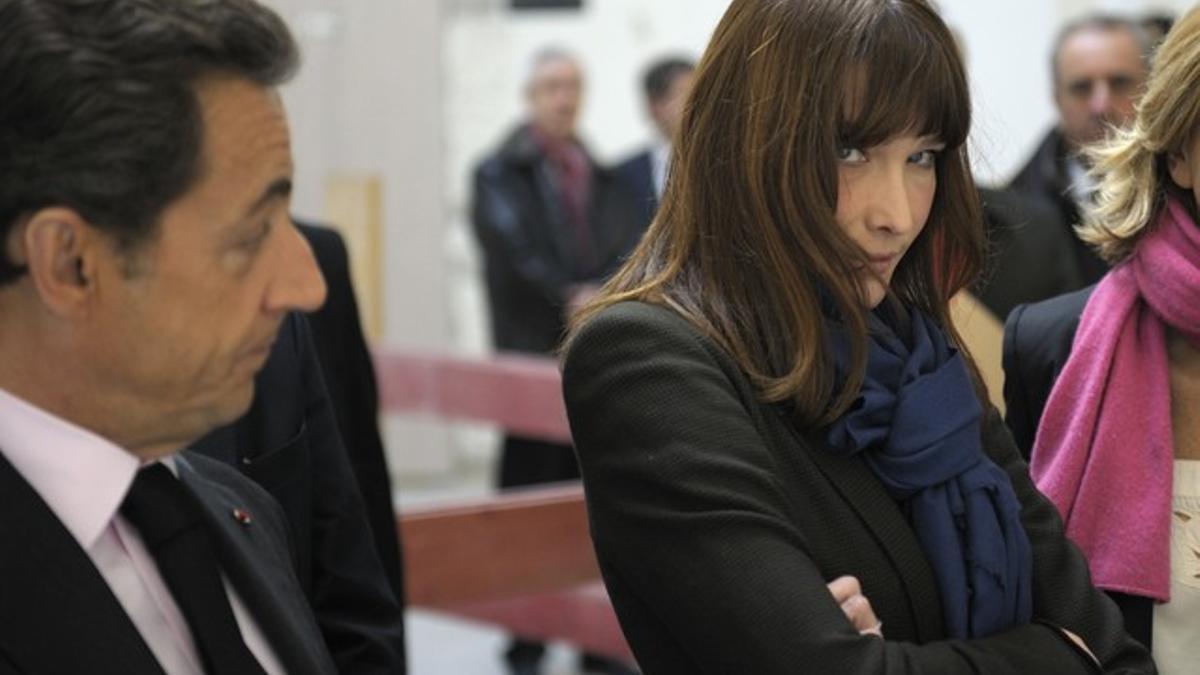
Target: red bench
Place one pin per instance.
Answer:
(522, 560)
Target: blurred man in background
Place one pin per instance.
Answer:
(1099, 67)
(551, 223)
(666, 86)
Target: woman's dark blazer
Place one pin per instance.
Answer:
(1037, 343)
(717, 525)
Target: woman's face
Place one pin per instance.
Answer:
(885, 193)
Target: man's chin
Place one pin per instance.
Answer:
(231, 408)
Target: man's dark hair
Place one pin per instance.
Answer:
(98, 107)
(1104, 23)
(1157, 25)
(661, 74)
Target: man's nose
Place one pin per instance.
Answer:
(299, 284)
(1100, 101)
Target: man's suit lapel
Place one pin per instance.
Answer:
(57, 613)
(254, 556)
(878, 513)
(647, 192)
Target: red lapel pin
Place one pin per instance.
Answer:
(242, 516)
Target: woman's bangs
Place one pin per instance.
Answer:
(904, 79)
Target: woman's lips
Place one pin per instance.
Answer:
(882, 264)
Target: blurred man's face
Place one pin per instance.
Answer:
(554, 96)
(668, 110)
(1100, 76)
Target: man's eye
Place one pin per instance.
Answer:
(1081, 89)
(255, 242)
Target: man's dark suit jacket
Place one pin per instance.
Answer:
(533, 259)
(1037, 343)
(350, 379)
(532, 255)
(638, 174)
(717, 525)
(288, 443)
(1044, 177)
(1027, 260)
(58, 615)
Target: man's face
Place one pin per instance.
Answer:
(668, 110)
(186, 328)
(1100, 75)
(554, 96)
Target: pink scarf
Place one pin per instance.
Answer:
(1104, 452)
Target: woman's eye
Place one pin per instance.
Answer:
(851, 155)
(925, 158)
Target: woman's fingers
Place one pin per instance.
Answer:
(847, 593)
(843, 588)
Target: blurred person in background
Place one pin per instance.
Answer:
(1157, 25)
(552, 224)
(665, 85)
(349, 371)
(1098, 66)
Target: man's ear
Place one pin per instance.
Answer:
(62, 252)
(1181, 170)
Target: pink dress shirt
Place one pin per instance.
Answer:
(83, 478)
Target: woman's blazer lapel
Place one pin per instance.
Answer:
(878, 513)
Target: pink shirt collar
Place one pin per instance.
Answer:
(82, 477)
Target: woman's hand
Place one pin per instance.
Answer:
(1081, 644)
(848, 593)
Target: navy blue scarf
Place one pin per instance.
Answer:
(916, 423)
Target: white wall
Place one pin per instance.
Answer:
(368, 101)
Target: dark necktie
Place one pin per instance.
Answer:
(172, 525)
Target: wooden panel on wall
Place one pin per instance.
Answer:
(354, 204)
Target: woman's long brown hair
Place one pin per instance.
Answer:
(745, 237)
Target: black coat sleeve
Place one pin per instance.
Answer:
(709, 572)
(358, 614)
(1037, 345)
(1020, 413)
(349, 375)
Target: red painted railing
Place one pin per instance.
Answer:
(521, 394)
(522, 560)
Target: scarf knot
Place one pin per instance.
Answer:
(916, 424)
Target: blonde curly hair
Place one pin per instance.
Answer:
(1132, 167)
